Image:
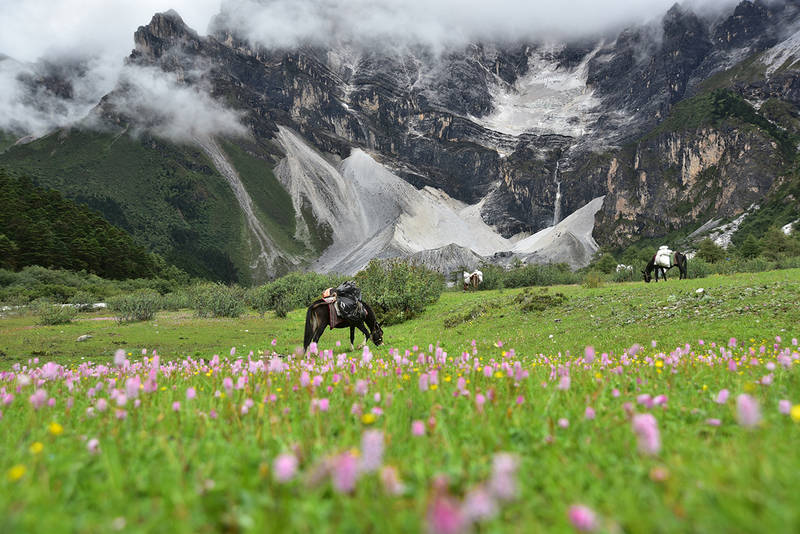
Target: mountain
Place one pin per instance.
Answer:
(324, 158)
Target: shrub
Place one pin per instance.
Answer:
(52, 314)
(592, 280)
(530, 301)
(626, 275)
(295, 290)
(710, 251)
(548, 274)
(398, 290)
(217, 300)
(82, 301)
(140, 305)
(698, 268)
(176, 300)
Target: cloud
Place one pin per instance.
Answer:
(154, 100)
(436, 23)
(82, 43)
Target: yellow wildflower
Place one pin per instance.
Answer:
(368, 418)
(16, 472)
(794, 413)
(36, 447)
(55, 429)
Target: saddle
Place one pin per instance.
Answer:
(344, 303)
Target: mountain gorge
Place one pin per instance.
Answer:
(238, 161)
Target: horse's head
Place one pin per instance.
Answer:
(647, 277)
(377, 335)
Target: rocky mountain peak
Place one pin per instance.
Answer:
(161, 34)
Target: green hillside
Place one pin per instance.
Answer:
(168, 196)
(40, 227)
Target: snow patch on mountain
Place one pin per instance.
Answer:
(550, 99)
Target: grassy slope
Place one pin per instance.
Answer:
(611, 318)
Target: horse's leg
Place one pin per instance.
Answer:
(352, 337)
(367, 333)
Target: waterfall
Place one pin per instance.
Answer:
(557, 207)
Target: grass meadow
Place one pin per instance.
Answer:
(670, 407)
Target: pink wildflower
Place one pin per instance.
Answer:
(284, 466)
(615, 393)
(93, 446)
(444, 516)
(101, 404)
(371, 450)
(390, 481)
(176, 406)
(38, 398)
(713, 422)
(646, 429)
(722, 396)
(361, 387)
(119, 358)
(582, 518)
(423, 382)
(418, 428)
(520, 399)
(480, 400)
(564, 383)
(563, 422)
(503, 482)
(588, 354)
(345, 473)
(747, 411)
(589, 413)
(323, 404)
(784, 407)
(190, 393)
(479, 505)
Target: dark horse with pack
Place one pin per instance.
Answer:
(342, 308)
(663, 260)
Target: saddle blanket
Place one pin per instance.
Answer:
(333, 314)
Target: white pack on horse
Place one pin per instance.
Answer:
(663, 260)
(472, 280)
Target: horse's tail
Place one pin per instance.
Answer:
(310, 327)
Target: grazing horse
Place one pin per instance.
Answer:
(472, 280)
(680, 263)
(318, 318)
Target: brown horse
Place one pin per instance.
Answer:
(472, 280)
(318, 318)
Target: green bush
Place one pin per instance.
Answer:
(397, 290)
(520, 275)
(140, 305)
(626, 275)
(217, 300)
(592, 280)
(540, 300)
(82, 301)
(295, 290)
(698, 268)
(176, 300)
(52, 314)
(709, 251)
